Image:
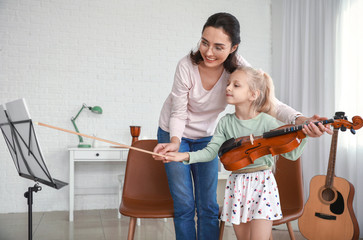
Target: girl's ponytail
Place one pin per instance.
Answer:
(269, 100)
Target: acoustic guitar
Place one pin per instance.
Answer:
(328, 213)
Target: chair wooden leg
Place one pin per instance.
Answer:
(120, 187)
(291, 231)
(221, 230)
(132, 226)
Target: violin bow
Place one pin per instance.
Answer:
(99, 139)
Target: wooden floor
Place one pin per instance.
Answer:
(95, 225)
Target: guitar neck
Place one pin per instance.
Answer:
(332, 157)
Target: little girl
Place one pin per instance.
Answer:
(251, 201)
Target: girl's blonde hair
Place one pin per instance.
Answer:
(261, 82)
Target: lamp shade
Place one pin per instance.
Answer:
(96, 109)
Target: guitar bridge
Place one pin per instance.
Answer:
(325, 216)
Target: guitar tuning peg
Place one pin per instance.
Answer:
(339, 115)
(343, 128)
(352, 131)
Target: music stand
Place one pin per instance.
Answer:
(20, 137)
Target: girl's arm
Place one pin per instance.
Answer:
(177, 157)
(297, 152)
(271, 124)
(206, 154)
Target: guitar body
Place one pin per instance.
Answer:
(328, 213)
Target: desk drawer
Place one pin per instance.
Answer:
(108, 155)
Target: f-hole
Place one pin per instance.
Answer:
(250, 149)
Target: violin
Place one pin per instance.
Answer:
(238, 153)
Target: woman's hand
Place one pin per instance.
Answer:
(163, 148)
(311, 129)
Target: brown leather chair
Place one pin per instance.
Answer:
(288, 175)
(145, 192)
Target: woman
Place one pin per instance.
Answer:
(187, 122)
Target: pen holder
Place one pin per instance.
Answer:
(135, 133)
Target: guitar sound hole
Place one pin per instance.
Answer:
(328, 194)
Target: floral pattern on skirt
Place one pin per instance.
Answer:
(251, 196)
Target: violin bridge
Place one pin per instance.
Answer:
(251, 138)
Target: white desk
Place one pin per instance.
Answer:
(91, 155)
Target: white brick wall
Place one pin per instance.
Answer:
(118, 54)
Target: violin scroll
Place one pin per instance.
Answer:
(341, 122)
(357, 122)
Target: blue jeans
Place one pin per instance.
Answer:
(181, 178)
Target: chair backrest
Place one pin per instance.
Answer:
(145, 182)
(289, 181)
